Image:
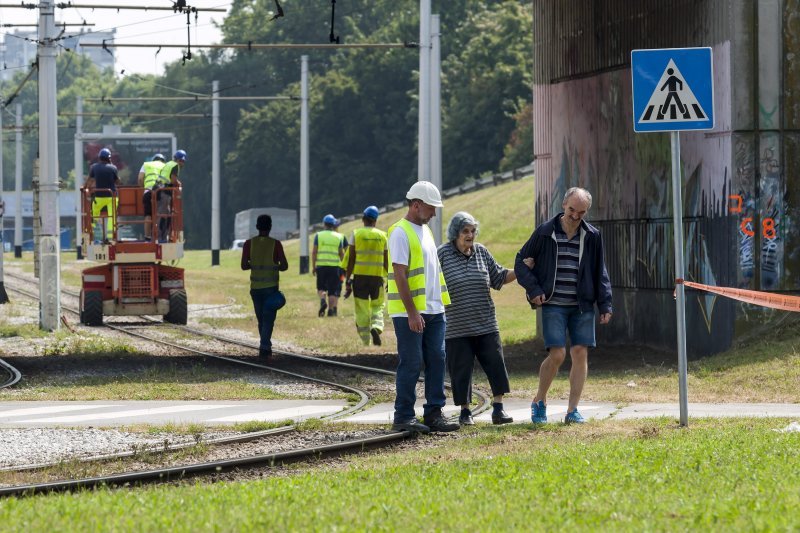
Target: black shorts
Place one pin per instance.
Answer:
(148, 203)
(328, 280)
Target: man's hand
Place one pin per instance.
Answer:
(348, 288)
(605, 318)
(529, 262)
(537, 300)
(415, 322)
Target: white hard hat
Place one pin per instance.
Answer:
(425, 191)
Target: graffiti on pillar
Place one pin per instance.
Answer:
(743, 205)
(771, 219)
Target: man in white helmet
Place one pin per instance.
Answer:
(417, 295)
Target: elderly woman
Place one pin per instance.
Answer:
(472, 331)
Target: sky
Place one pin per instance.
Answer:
(134, 26)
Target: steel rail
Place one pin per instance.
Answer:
(14, 375)
(163, 475)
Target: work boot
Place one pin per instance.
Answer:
(376, 336)
(323, 305)
(413, 425)
(332, 311)
(265, 354)
(436, 421)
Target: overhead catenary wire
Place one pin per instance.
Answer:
(70, 5)
(112, 99)
(133, 114)
(34, 67)
(256, 46)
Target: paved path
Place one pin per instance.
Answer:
(121, 413)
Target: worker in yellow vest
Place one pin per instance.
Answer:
(417, 295)
(102, 181)
(169, 177)
(326, 257)
(264, 257)
(367, 265)
(149, 179)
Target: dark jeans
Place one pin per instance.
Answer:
(461, 354)
(266, 313)
(414, 350)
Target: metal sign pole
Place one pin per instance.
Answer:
(680, 302)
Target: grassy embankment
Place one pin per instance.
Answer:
(629, 374)
(722, 475)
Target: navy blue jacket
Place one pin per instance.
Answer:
(593, 283)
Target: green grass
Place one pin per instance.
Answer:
(148, 382)
(718, 475)
(26, 331)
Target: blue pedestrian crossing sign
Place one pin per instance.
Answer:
(673, 89)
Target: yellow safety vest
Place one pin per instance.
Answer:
(166, 172)
(328, 243)
(263, 268)
(416, 273)
(370, 244)
(152, 173)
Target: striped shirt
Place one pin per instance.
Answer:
(469, 278)
(565, 291)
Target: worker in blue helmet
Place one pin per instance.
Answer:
(366, 276)
(149, 179)
(326, 256)
(102, 184)
(169, 179)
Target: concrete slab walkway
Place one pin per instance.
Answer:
(122, 413)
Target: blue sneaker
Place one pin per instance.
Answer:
(574, 418)
(539, 412)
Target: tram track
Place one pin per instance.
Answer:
(13, 374)
(484, 401)
(214, 467)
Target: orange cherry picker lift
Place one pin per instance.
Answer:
(134, 279)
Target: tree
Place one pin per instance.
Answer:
(486, 84)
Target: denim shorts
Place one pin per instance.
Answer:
(558, 319)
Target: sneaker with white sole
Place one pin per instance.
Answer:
(539, 412)
(574, 418)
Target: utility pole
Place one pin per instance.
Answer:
(18, 185)
(304, 219)
(49, 282)
(214, 173)
(3, 295)
(424, 139)
(436, 123)
(78, 152)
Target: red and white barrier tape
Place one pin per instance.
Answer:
(765, 299)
